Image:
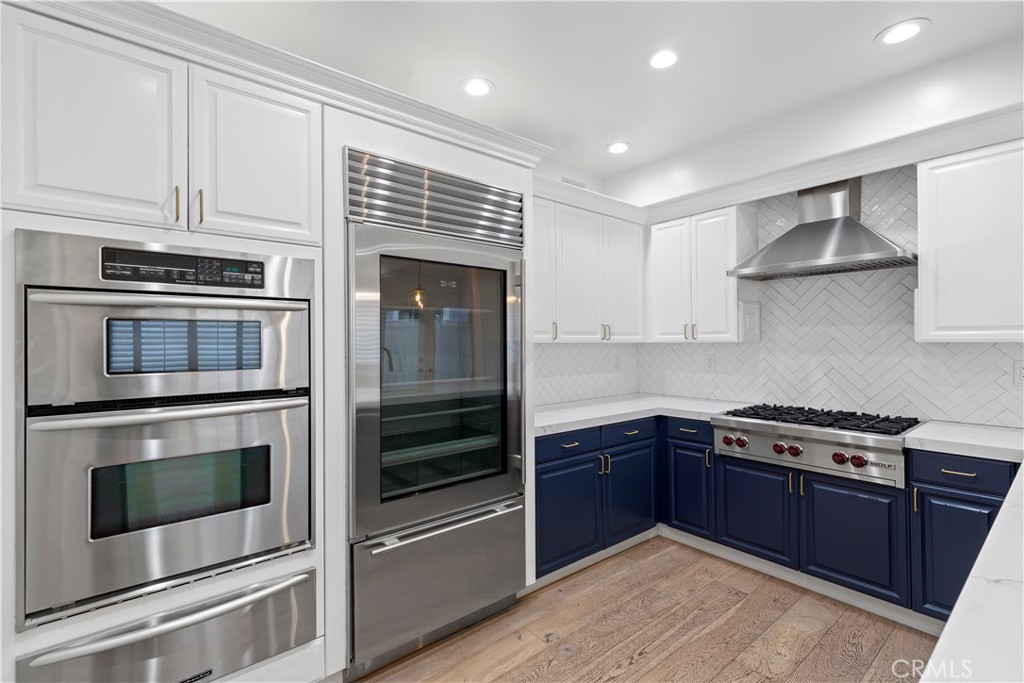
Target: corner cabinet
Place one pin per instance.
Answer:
(585, 271)
(971, 246)
(99, 128)
(689, 296)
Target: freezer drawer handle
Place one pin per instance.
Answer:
(166, 415)
(390, 543)
(162, 301)
(90, 648)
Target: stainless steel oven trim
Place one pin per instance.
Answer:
(368, 518)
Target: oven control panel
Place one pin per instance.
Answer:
(127, 265)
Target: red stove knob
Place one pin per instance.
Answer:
(839, 458)
(728, 440)
(858, 460)
(795, 450)
(742, 442)
(779, 447)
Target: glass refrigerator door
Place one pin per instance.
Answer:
(442, 366)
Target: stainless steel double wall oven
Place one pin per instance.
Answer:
(166, 418)
(437, 524)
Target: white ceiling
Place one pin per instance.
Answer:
(574, 75)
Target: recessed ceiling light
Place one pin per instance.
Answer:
(905, 30)
(477, 87)
(662, 59)
(617, 147)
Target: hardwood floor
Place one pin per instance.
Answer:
(662, 611)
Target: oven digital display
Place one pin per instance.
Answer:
(139, 346)
(130, 265)
(152, 493)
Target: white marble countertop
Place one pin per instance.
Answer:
(979, 441)
(982, 639)
(562, 417)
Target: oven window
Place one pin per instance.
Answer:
(443, 364)
(151, 493)
(137, 346)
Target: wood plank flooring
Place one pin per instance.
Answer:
(662, 611)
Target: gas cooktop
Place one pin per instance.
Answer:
(829, 419)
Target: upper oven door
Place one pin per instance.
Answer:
(436, 372)
(86, 345)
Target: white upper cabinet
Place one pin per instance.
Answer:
(577, 274)
(540, 273)
(970, 246)
(689, 296)
(585, 276)
(256, 160)
(621, 279)
(93, 127)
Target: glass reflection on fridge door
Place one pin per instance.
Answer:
(442, 374)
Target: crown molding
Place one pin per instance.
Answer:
(987, 129)
(158, 28)
(556, 191)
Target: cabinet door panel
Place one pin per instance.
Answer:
(669, 281)
(856, 536)
(256, 156)
(621, 278)
(93, 127)
(962, 297)
(690, 493)
(578, 235)
(629, 486)
(755, 510)
(714, 293)
(569, 501)
(947, 532)
(542, 287)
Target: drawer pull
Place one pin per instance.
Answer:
(632, 433)
(959, 474)
(688, 431)
(574, 444)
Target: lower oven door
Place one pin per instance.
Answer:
(199, 642)
(114, 501)
(410, 586)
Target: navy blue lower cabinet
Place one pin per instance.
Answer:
(855, 535)
(756, 509)
(629, 491)
(947, 530)
(569, 510)
(690, 487)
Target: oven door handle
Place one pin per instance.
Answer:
(158, 415)
(162, 301)
(74, 651)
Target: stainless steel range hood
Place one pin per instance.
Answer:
(829, 238)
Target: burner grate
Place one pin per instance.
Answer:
(829, 419)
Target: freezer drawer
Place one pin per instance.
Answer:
(411, 584)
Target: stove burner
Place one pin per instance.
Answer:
(830, 419)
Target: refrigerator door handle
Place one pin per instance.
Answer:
(393, 543)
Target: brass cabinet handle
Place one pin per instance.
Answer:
(707, 458)
(632, 433)
(601, 460)
(686, 331)
(554, 331)
(688, 431)
(609, 471)
(791, 482)
(915, 499)
(202, 212)
(693, 331)
(574, 444)
(959, 474)
(177, 203)
(801, 484)
(609, 327)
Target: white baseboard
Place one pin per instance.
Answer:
(901, 615)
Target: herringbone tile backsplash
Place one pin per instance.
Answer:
(832, 341)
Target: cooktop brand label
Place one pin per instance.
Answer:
(883, 465)
(197, 677)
